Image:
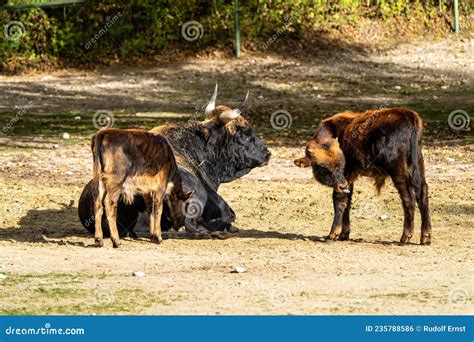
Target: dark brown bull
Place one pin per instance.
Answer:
(129, 163)
(378, 144)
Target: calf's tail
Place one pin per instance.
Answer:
(96, 144)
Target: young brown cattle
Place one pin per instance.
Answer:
(129, 163)
(378, 144)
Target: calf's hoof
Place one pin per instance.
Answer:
(156, 238)
(331, 237)
(116, 243)
(425, 239)
(405, 239)
(99, 242)
(344, 236)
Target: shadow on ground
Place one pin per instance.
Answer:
(62, 226)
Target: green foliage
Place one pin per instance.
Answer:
(120, 30)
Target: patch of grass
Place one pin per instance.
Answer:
(49, 278)
(54, 125)
(57, 293)
(74, 301)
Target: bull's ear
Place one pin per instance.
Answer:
(204, 133)
(231, 127)
(303, 162)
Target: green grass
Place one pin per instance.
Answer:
(66, 294)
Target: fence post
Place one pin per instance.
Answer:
(456, 16)
(237, 28)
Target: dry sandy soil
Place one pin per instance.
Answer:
(52, 268)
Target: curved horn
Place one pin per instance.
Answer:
(212, 103)
(225, 117)
(241, 106)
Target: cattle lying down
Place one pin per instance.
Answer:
(219, 149)
(127, 214)
(129, 163)
(378, 144)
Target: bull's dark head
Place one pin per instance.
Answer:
(226, 132)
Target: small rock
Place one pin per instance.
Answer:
(66, 136)
(77, 118)
(383, 217)
(265, 178)
(260, 97)
(55, 146)
(397, 87)
(139, 274)
(69, 173)
(238, 270)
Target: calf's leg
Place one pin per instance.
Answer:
(346, 221)
(340, 201)
(157, 209)
(111, 203)
(422, 200)
(98, 212)
(407, 195)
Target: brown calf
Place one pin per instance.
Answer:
(129, 163)
(378, 144)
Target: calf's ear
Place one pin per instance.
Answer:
(303, 162)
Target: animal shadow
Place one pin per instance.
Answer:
(57, 226)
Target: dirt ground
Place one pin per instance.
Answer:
(48, 264)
